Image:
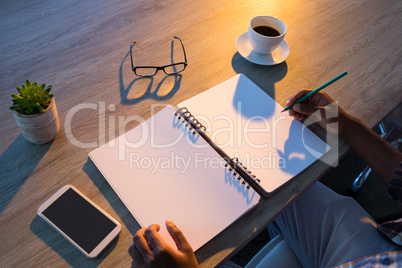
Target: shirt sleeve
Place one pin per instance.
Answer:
(395, 184)
(388, 259)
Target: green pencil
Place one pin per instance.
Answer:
(316, 90)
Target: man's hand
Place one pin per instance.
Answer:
(320, 108)
(375, 151)
(150, 250)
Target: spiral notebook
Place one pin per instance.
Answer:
(163, 170)
(205, 164)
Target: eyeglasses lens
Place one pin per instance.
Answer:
(174, 69)
(143, 71)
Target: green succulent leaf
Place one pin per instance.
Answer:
(24, 105)
(21, 100)
(29, 110)
(47, 90)
(15, 96)
(20, 91)
(15, 107)
(32, 98)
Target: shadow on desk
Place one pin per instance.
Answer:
(124, 214)
(17, 163)
(263, 76)
(143, 87)
(64, 248)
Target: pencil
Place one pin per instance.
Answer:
(315, 91)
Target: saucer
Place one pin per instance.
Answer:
(243, 46)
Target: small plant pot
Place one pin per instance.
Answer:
(39, 128)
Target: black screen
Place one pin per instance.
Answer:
(79, 220)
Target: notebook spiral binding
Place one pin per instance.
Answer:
(191, 122)
(237, 168)
(244, 168)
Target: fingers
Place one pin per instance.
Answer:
(141, 245)
(305, 109)
(178, 237)
(293, 112)
(131, 250)
(321, 99)
(297, 95)
(147, 244)
(309, 106)
(138, 260)
(153, 237)
(318, 99)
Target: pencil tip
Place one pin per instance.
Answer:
(283, 110)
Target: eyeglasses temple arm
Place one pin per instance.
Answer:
(184, 51)
(131, 53)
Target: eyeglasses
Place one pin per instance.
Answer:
(152, 70)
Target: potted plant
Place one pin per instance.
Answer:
(35, 111)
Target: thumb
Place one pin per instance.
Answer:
(178, 237)
(304, 108)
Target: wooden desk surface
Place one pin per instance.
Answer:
(81, 48)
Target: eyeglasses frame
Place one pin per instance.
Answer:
(134, 68)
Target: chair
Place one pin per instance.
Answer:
(390, 124)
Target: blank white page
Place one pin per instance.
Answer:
(183, 180)
(247, 123)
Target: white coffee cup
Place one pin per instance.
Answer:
(264, 44)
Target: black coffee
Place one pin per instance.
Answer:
(266, 30)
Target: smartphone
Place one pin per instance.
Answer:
(79, 220)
